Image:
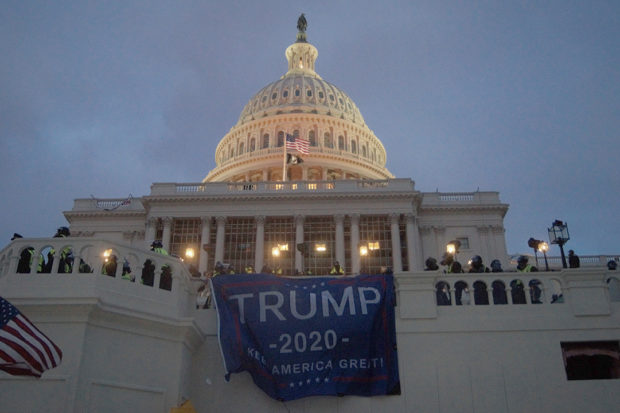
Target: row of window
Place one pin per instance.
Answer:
(327, 142)
(309, 94)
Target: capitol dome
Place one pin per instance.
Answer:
(307, 107)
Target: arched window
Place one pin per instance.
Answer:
(614, 289)
(353, 147)
(265, 141)
(499, 292)
(517, 291)
(312, 138)
(252, 144)
(231, 153)
(296, 133)
(442, 291)
(241, 148)
(327, 140)
(280, 139)
(341, 142)
(536, 292)
(364, 151)
(481, 297)
(461, 293)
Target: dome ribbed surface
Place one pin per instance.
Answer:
(297, 93)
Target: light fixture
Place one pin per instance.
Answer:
(544, 247)
(558, 234)
(320, 247)
(283, 247)
(275, 251)
(106, 254)
(372, 246)
(453, 247)
(189, 253)
(363, 250)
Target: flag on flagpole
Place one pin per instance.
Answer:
(24, 349)
(298, 144)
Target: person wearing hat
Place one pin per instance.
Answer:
(523, 266)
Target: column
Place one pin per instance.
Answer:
(397, 262)
(260, 243)
(304, 173)
(265, 175)
(413, 247)
(355, 241)
(299, 239)
(339, 218)
(205, 238)
(150, 230)
(220, 238)
(166, 235)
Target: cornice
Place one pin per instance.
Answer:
(149, 200)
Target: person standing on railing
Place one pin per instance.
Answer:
(573, 260)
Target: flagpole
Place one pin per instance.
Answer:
(284, 161)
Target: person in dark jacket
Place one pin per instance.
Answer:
(573, 260)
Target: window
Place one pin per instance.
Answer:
(312, 138)
(375, 233)
(297, 92)
(591, 360)
(321, 95)
(239, 242)
(341, 142)
(280, 139)
(332, 98)
(285, 94)
(265, 141)
(252, 144)
(274, 95)
(464, 243)
(309, 93)
(353, 147)
(327, 140)
(241, 148)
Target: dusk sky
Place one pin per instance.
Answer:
(104, 98)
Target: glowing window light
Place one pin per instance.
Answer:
(320, 247)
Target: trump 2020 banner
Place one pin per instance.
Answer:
(301, 337)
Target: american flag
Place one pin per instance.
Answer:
(301, 145)
(24, 349)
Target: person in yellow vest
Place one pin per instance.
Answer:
(337, 269)
(523, 266)
(453, 266)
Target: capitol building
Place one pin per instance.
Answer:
(296, 212)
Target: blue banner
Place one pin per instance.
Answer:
(301, 337)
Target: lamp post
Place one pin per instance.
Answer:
(544, 247)
(558, 234)
(535, 245)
